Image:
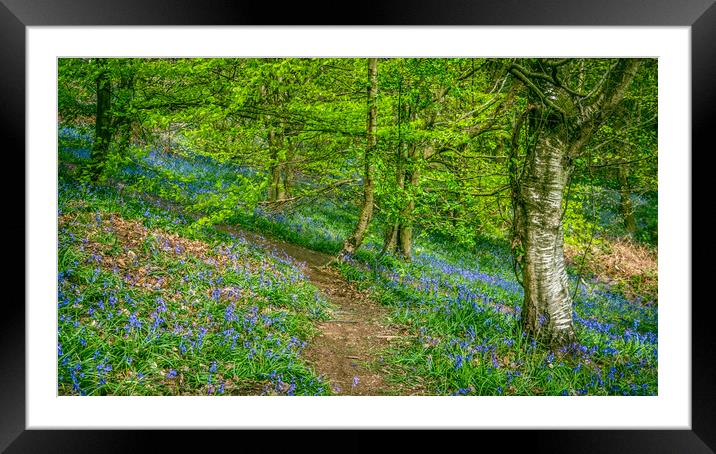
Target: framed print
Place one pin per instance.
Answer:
(59, 55)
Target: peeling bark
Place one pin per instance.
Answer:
(547, 305)
(560, 132)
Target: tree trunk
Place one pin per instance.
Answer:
(390, 239)
(354, 241)
(411, 179)
(276, 190)
(276, 185)
(547, 305)
(561, 127)
(405, 236)
(103, 131)
(625, 205)
(392, 230)
(405, 233)
(126, 85)
(287, 174)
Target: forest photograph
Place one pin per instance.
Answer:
(357, 226)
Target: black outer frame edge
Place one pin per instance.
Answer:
(19, 14)
(372, 12)
(529, 441)
(12, 120)
(703, 99)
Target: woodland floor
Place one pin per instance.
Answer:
(347, 351)
(434, 335)
(350, 343)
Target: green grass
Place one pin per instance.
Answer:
(148, 305)
(467, 336)
(461, 305)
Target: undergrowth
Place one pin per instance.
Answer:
(148, 305)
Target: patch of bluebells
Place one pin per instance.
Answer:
(188, 177)
(479, 310)
(103, 368)
(76, 374)
(480, 296)
(133, 324)
(220, 323)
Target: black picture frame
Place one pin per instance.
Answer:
(699, 15)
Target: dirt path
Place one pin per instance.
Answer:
(347, 352)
